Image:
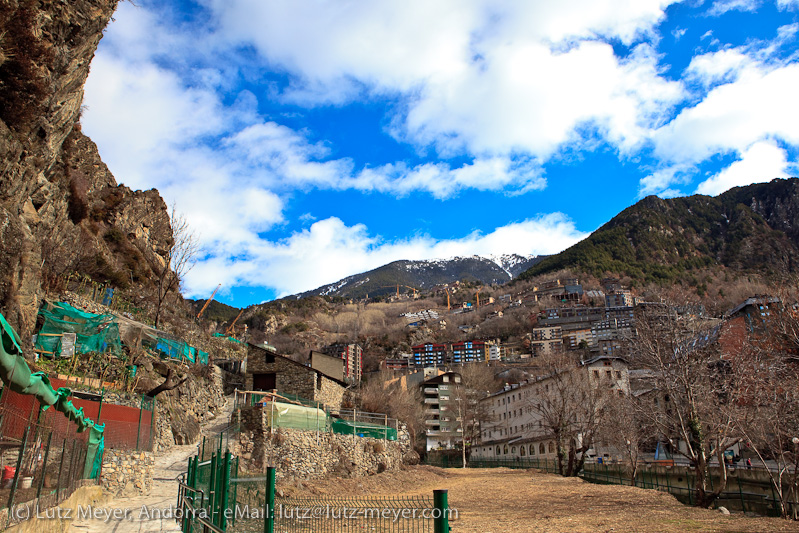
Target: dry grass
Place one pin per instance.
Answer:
(503, 500)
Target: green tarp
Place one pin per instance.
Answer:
(17, 375)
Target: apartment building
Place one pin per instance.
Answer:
(546, 340)
(442, 426)
(514, 429)
(469, 352)
(352, 355)
(430, 354)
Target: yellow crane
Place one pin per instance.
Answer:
(398, 288)
(208, 302)
(230, 329)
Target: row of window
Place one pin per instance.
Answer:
(525, 450)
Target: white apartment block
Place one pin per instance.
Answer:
(513, 429)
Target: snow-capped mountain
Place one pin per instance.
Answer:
(426, 274)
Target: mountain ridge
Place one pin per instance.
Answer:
(754, 228)
(425, 274)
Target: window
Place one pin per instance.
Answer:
(522, 451)
(541, 449)
(269, 358)
(551, 447)
(513, 450)
(596, 373)
(498, 450)
(505, 450)
(532, 449)
(618, 374)
(445, 379)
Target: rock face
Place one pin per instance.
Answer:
(60, 207)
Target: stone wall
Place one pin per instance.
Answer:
(292, 377)
(301, 454)
(330, 393)
(127, 473)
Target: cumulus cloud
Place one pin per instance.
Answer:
(292, 265)
(478, 77)
(763, 161)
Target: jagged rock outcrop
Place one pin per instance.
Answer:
(60, 207)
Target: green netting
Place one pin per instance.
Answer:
(93, 333)
(286, 415)
(362, 429)
(176, 349)
(15, 372)
(231, 339)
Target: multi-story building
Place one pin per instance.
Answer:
(514, 429)
(469, 352)
(352, 354)
(546, 340)
(429, 354)
(577, 337)
(609, 335)
(442, 425)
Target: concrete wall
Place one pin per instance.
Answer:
(328, 365)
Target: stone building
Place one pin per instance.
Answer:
(268, 371)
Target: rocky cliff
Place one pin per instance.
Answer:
(60, 207)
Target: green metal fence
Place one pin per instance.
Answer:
(740, 499)
(213, 496)
(456, 461)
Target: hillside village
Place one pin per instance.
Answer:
(660, 352)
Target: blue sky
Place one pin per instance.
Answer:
(306, 141)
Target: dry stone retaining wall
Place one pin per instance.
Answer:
(308, 454)
(127, 473)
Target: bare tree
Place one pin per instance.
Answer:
(771, 424)
(569, 405)
(701, 387)
(623, 428)
(383, 394)
(476, 382)
(179, 259)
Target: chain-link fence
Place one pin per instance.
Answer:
(43, 461)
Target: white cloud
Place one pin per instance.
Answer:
(760, 103)
(477, 77)
(293, 265)
(722, 6)
(763, 161)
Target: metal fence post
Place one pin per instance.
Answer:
(212, 495)
(17, 473)
(225, 490)
(440, 517)
(44, 466)
(269, 503)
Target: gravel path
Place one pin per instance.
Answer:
(153, 512)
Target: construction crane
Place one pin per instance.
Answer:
(208, 302)
(478, 296)
(448, 306)
(230, 329)
(398, 288)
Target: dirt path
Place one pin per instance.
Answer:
(150, 513)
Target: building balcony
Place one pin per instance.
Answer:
(428, 412)
(431, 390)
(432, 422)
(430, 401)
